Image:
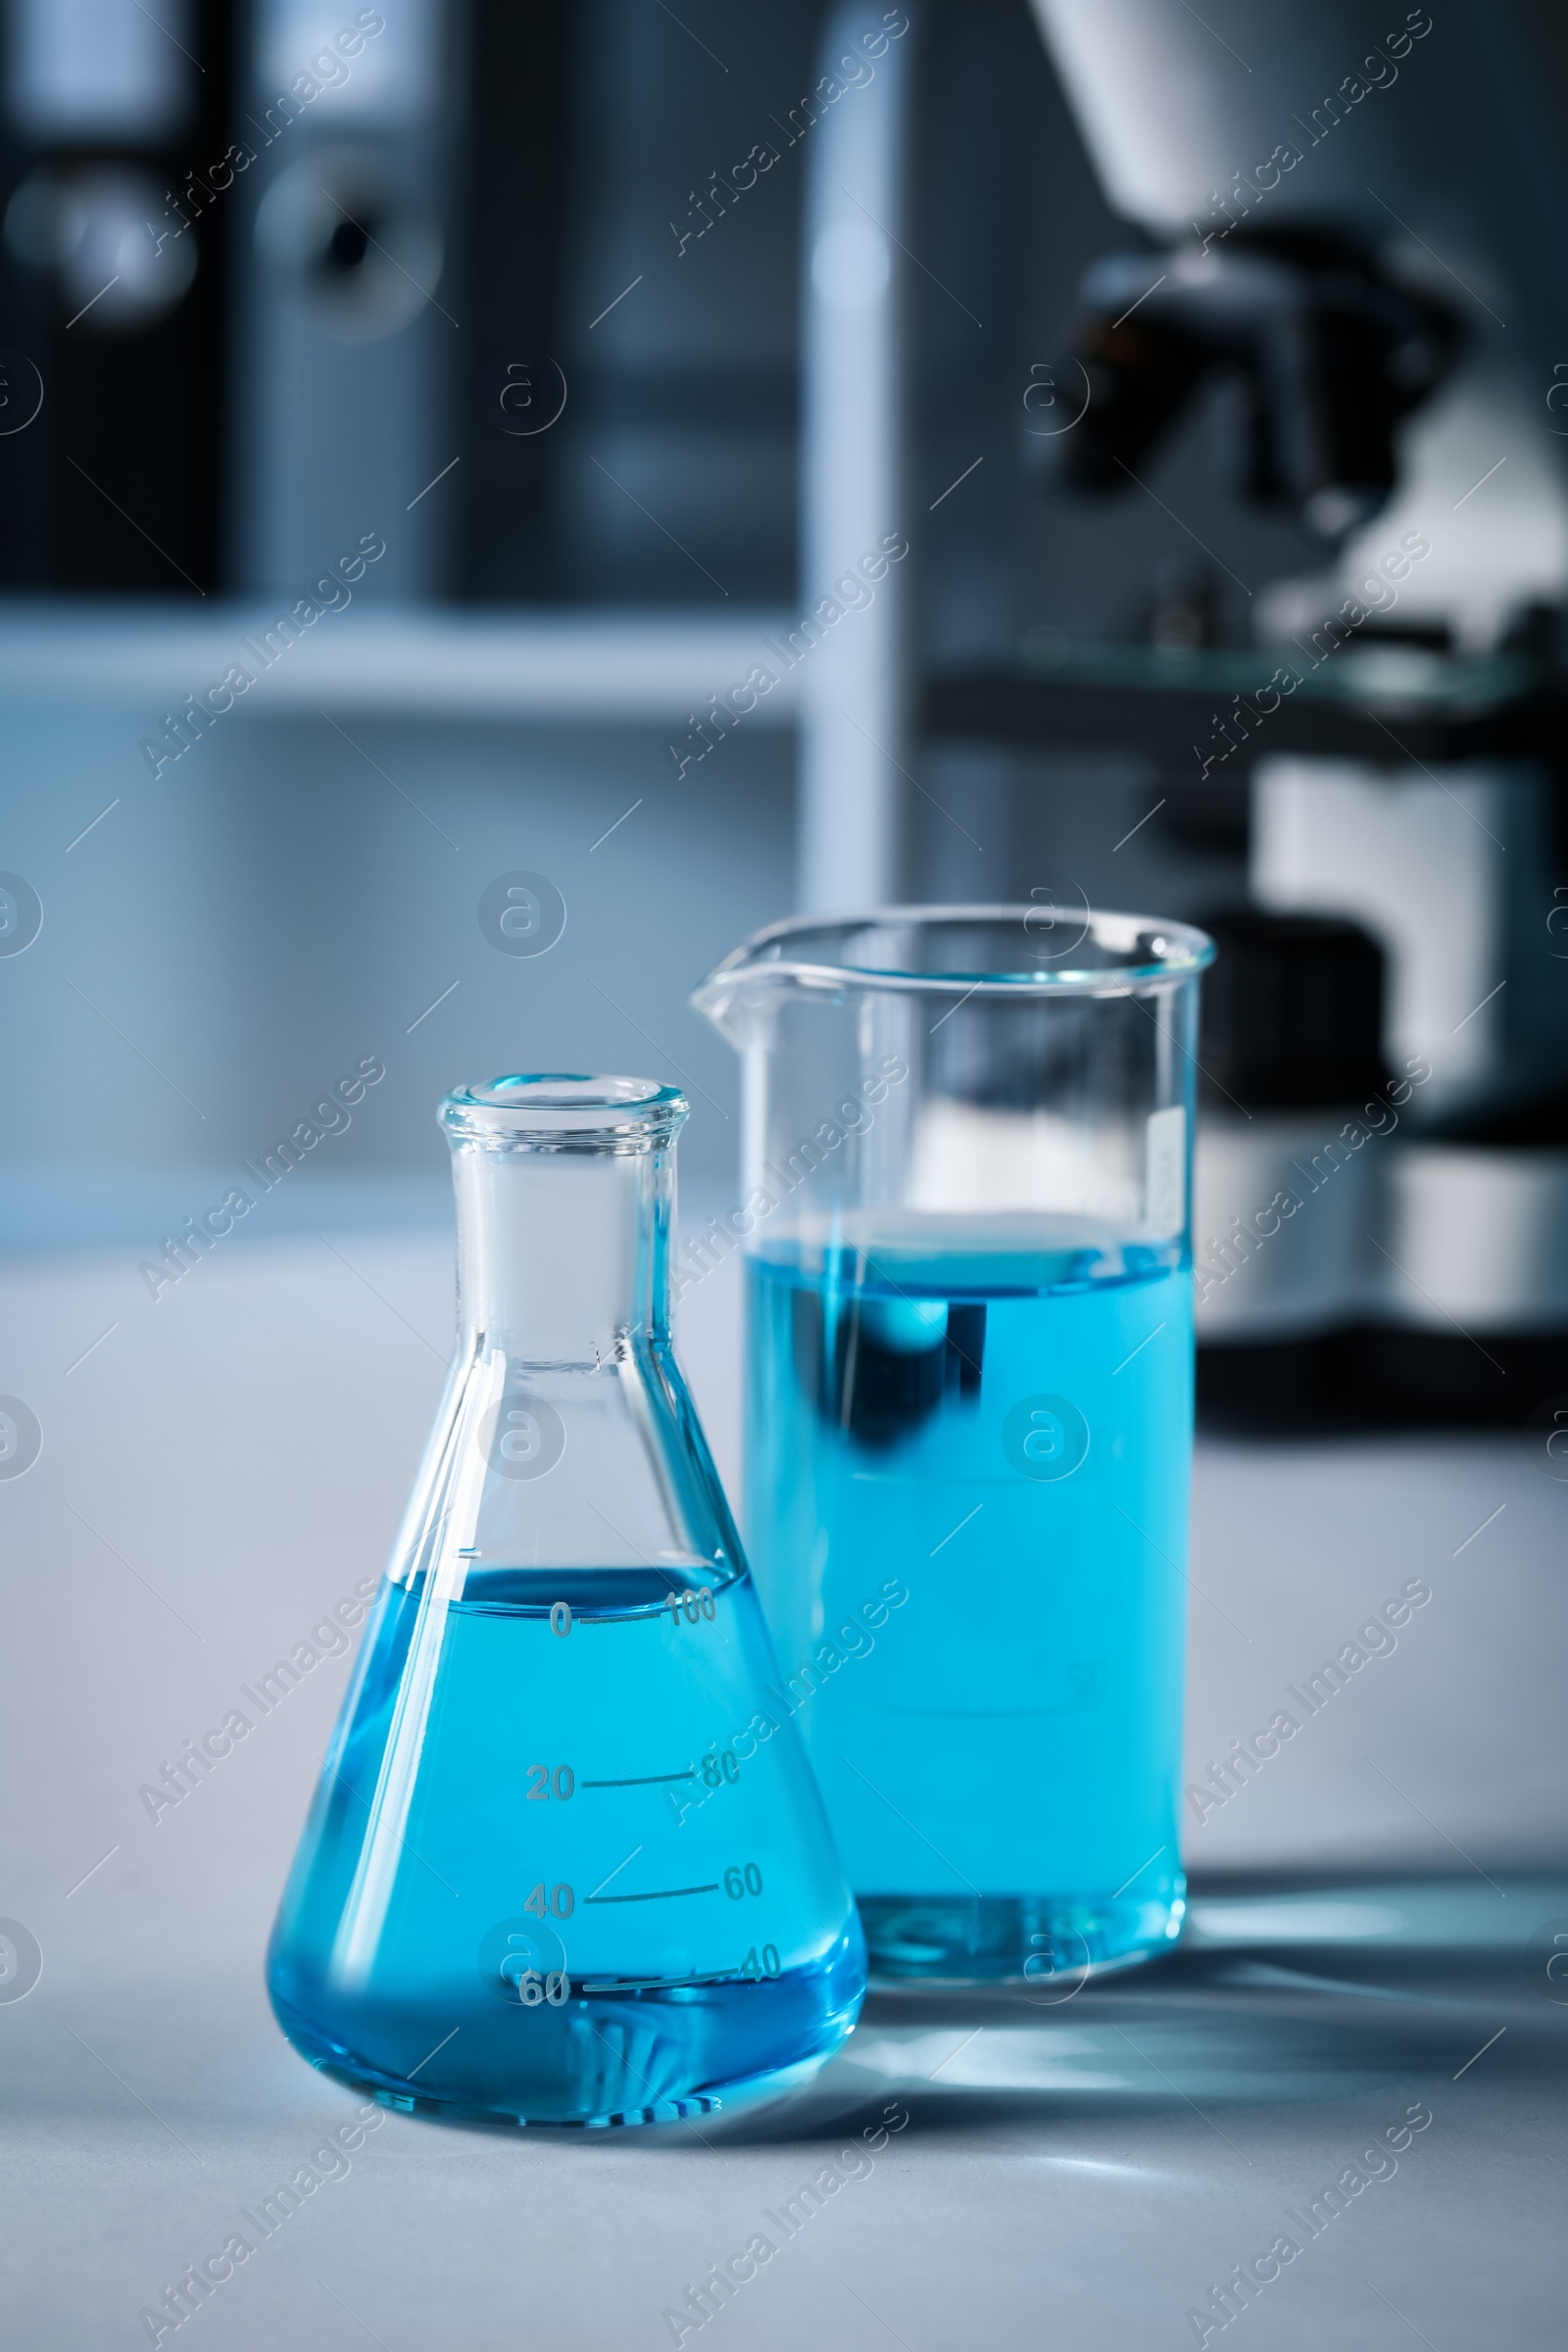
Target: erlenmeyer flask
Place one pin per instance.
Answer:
(567, 1863)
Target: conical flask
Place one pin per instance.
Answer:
(567, 1863)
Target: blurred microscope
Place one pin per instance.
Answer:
(1380, 1228)
(1382, 1222)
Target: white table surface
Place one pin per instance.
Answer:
(225, 1465)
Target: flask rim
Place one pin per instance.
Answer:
(556, 1107)
(1131, 952)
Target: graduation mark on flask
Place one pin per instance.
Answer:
(656, 1895)
(645, 1780)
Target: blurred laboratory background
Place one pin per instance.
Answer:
(500, 499)
(431, 436)
(495, 386)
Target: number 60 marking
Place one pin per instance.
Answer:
(532, 1988)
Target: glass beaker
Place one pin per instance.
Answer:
(966, 1140)
(567, 1863)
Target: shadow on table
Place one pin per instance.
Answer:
(1279, 1995)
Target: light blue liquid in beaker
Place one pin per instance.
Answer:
(1006, 1435)
(557, 1871)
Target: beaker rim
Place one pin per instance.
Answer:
(816, 952)
(544, 1105)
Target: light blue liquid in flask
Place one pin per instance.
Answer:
(566, 1864)
(969, 1348)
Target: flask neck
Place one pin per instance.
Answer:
(562, 1254)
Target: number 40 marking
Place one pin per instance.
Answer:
(547, 1900)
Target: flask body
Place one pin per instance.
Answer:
(566, 1864)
